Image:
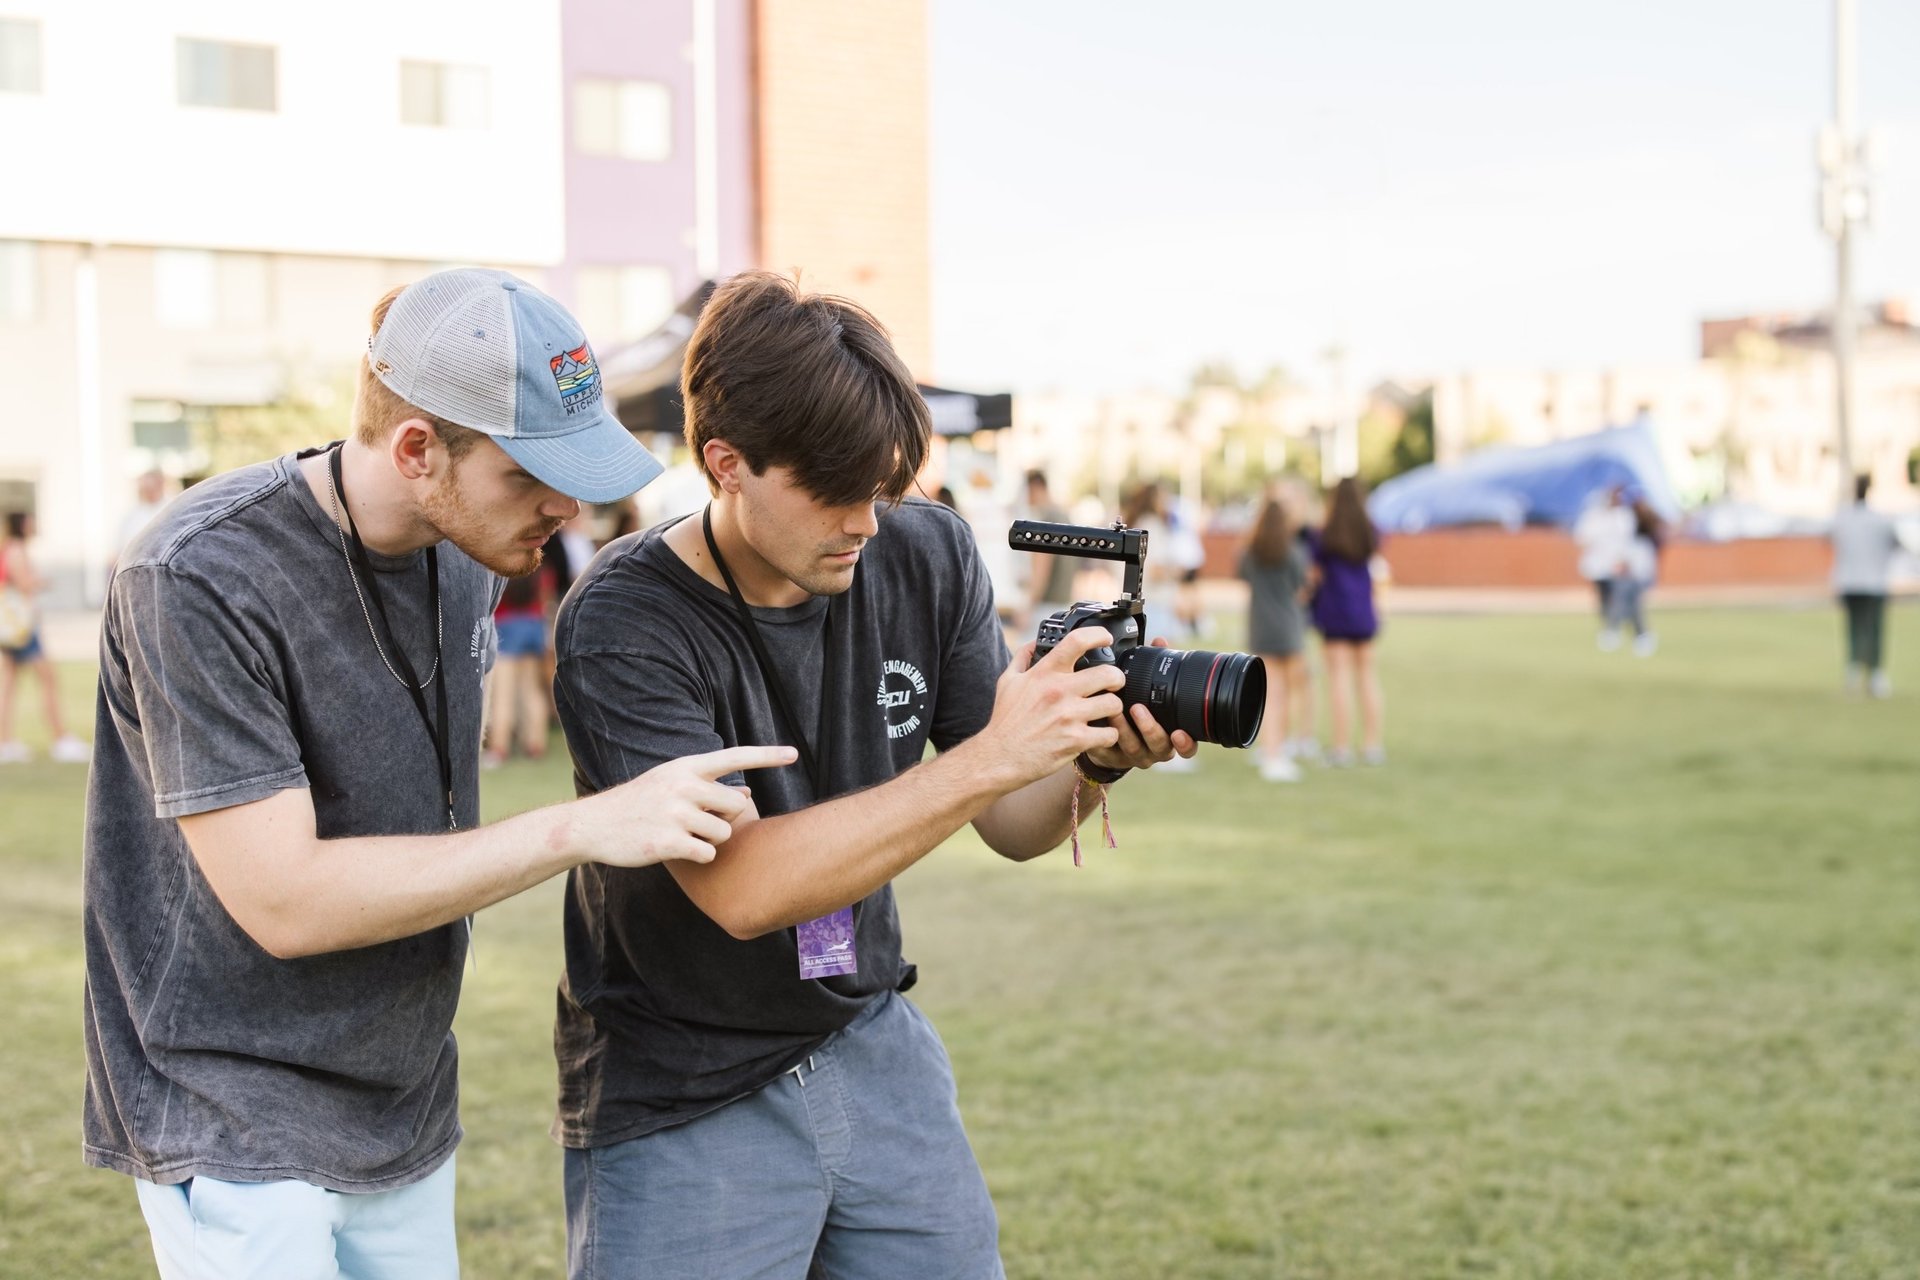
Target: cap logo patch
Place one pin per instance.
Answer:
(578, 378)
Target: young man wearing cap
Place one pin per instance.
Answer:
(743, 1089)
(281, 851)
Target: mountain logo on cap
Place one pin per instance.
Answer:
(578, 378)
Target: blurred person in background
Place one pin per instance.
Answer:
(1343, 612)
(1050, 579)
(1636, 569)
(1147, 509)
(1275, 566)
(20, 644)
(989, 516)
(578, 536)
(150, 490)
(517, 699)
(1175, 555)
(1864, 544)
(1603, 534)
(1185, 524)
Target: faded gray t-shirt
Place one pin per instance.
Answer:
(235, 662)
(663, 1015)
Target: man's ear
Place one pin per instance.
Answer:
(724, 464)
(412, 446)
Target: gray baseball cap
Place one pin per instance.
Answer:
(488, 351)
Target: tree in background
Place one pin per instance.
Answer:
(1396, 433)
(229, 436)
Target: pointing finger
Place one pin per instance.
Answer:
(716, 764)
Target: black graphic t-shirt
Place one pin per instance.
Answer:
(662, 1015)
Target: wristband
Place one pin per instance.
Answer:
(1098, 775)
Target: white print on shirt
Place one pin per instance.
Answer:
(902, 690)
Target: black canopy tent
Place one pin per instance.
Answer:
(643, 381)
(961, 413)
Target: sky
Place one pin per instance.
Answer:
(1123, 190)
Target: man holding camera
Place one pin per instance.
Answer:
(743, 1089)
(281, 849)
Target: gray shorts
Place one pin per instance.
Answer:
(852, 1166)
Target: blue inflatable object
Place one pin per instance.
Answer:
(1521, 485)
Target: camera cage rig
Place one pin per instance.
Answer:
(1089, 542)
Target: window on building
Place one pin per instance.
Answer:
(618, 305)
(439, 93)
(242, 290)
(19, 55)
(630, 118)
(216, 73)
(183, 288)
(198, 289)
(161, 427)
(19, 280)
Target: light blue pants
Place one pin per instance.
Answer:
(206, 1229)
(1626, 604)
(852, 1167)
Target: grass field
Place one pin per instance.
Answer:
(1614, 971)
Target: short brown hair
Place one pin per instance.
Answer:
(805, 381)
(377, 410)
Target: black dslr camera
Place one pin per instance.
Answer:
(1215, 697)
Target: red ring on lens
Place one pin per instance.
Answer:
(1206, 699)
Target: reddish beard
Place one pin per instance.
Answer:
(446, 508)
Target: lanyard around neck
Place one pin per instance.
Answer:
(383, 636)
(815, 756)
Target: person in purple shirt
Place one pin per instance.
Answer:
(1343, 613)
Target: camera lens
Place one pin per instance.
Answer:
(1215, 697)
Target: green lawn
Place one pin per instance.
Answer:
(1613, 972)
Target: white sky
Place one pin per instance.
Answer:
(1123, 189)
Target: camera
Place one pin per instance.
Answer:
(1215, 697)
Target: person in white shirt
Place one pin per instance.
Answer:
(1864, 544)
(1604, 534)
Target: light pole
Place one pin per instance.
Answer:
(1345, 435)
(1843, 205)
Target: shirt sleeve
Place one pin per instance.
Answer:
(624, 713)
(970, 671)
(204, 692)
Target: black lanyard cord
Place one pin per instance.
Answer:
(357, 559)
(819, 767)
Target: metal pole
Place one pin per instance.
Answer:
(87, 365)
(1346, 428)
(1846, 154)
(706, 143)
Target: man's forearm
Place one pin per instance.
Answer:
(777, 872)
(358, 891)
(397, 886)
(1033, 820)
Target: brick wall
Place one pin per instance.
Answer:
(1494, 558)
(843, 156)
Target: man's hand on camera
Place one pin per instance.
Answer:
(675, 810)
(1045, 713)
(1142, 743)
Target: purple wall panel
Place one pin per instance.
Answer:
(636, 212)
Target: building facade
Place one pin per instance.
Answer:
(201, 211)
